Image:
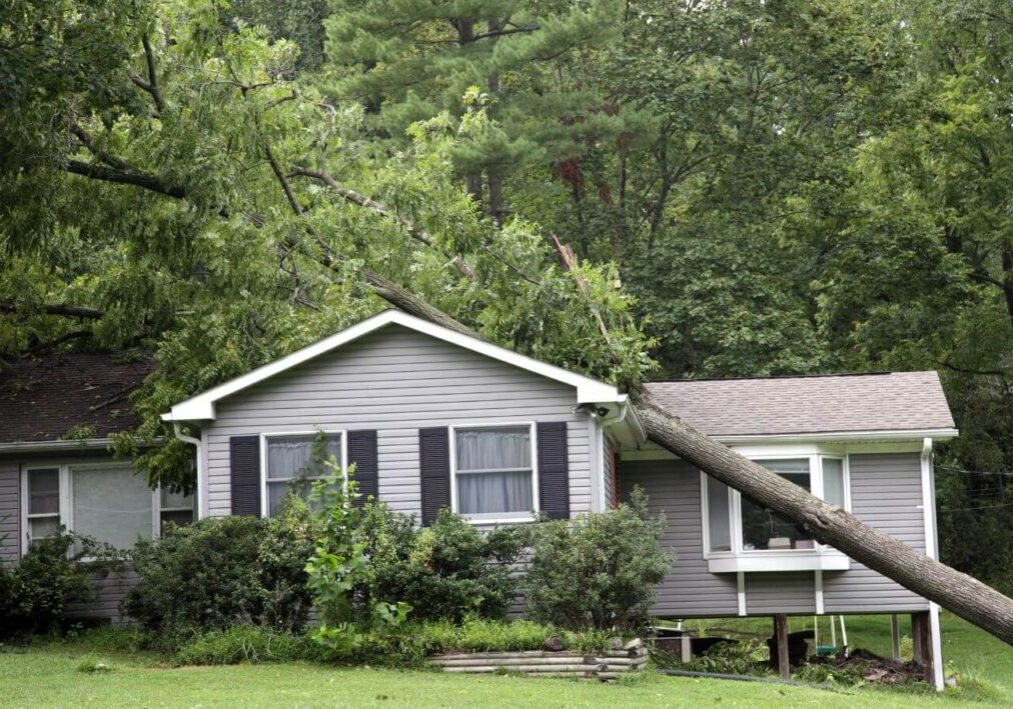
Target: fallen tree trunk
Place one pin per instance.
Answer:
(957, 592)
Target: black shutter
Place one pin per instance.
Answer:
(553, 470)
(244, 458)
(363, 454)
(434, 462)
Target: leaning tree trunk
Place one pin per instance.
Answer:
(957, 592)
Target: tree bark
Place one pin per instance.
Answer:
(957, 592)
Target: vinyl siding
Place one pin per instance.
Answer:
(789, 592)
(689, 589)
(886, 492)
(10, 511)
(109, 592)
(396, 381)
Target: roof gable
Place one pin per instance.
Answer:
(202, 406)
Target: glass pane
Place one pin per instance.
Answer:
(483, 493)
(43, 490)
(292, 456)
(42, 527)
(176, 499)
(762, 528)
(494, 449)
(179, 519)
(833, 481)
(718, 519)
(112, 505)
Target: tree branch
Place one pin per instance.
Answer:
(69, 311)
(151, 85)
(414, 231)
(126, 176)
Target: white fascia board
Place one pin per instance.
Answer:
(202, 406)
(938, 434)
(44, 446)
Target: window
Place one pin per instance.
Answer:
(494, 474)
(175, 508)
(105, 501)
(764, 529)
(292, 462)
(735, 527)
(43, 502)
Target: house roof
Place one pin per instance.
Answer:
(68, 395)
(889, 402)
(202, 406)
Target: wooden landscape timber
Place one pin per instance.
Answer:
(607, 665)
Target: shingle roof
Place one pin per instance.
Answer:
(47, 398)
(894, 401)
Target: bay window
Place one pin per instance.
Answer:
(105, 501)
(742, 535)
(494, 472)
(294, 461)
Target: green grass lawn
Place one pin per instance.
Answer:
(48, 675)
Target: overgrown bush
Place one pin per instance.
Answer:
(448, 571)
(222, 571)
(244, 644)
(35, 593)
(598, 571)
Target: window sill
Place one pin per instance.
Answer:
(788, 560)
(480, 521)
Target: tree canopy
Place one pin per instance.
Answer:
(747, 189)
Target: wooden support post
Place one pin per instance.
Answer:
(895, 636)
(781, 641)
(921, 638)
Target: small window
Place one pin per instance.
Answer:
(43, 502)
(174, 508)
(764, 529)
(293, 462)
(111, 504)
(494, 472)
(718, 516)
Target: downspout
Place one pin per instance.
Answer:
(196, 442)
(932, 551)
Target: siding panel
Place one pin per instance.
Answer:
(790, 592)
(886, 492)
(396, 381)
(10, 511)
(689, 589)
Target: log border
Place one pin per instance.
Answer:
(605, 665)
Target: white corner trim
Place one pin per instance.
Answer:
(935, 631)
(202, 406)
(740, 581)
(928, 501)
(818, 582)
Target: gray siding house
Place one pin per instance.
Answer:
(431, 418)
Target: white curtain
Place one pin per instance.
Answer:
(291, 457)
(494, 471)
(111, 504)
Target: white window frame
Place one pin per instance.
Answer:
(495, 517)
(265, 502)
(739, 559)
(66, 511)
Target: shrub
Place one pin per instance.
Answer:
(222, 571)
(244, 643)
(35, 593)
(448, 571)
(598, 571)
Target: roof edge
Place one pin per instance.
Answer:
(43, 446)
(202, 406)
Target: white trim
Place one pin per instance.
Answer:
(829, 436)
(202, 406)
(495, 517)
(818, 585)
(740, 585)
(787, 560)
(597, 466)
(928, 503)
(56, 446)
(935, 631)
(264, 499)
